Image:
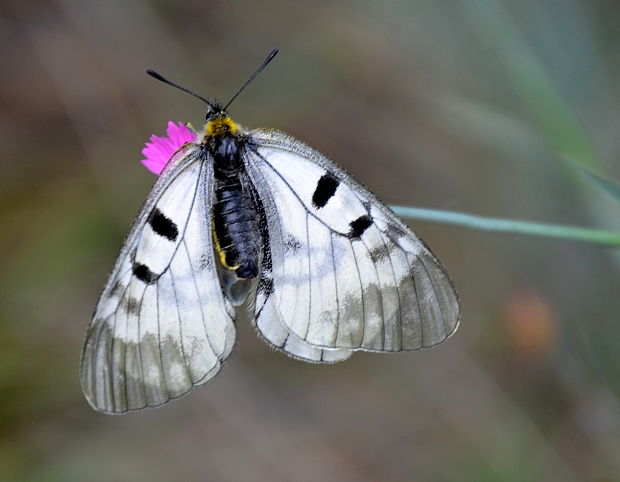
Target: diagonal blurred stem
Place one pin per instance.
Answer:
(573, 233)
(601, 181)
(530, 77)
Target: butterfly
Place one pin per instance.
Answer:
(256, 221)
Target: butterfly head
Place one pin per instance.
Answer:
(219, 123)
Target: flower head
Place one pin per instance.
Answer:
(159, 150)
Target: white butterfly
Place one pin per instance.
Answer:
(256, 221)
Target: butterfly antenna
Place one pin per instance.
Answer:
(269, 58)
(154, 74)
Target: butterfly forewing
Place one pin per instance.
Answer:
(162, 324)
(346, 272)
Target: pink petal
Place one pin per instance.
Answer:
(156, 169)
(159, 150)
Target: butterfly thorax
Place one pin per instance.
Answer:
(234, 218)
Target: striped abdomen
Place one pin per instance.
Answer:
(236, 229)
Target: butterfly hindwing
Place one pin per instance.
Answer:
(267, 319)
(346, 272)
(161, 325)
(278, 335)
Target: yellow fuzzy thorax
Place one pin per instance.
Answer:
(220, 125)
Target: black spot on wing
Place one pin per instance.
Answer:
(143, 273)
(359, 225)
(163, 225)
(325, 189)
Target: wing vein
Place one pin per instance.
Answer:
(417, 299)
(331, 242)
(396, 283)
(309, 279)
(359, 277)
(380, 295)
(176, 302)
(161, 362)
(114, 342)
(140, 348)
(93, 368)
(430, 279)
(202, 315)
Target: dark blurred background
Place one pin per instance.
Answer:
(467, 105)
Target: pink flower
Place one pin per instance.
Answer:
(159, 150)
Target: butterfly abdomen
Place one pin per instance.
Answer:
(235, 221)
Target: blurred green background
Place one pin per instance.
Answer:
(467, 105)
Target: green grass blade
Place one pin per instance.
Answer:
(604, 183)
(573, 233)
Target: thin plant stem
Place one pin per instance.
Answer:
(573, 233)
